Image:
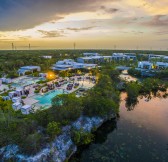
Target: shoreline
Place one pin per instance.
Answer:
(56, 150)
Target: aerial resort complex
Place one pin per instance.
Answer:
(29, 93)
(61, 99)
(83, 81)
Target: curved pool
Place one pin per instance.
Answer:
(47, 98)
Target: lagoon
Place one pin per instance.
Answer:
(140, 134)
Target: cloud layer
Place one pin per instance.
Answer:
(126, 22)
(21, 14)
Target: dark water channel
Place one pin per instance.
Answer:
(139, 135)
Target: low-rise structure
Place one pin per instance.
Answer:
(88, 54)
(161, 65)
(124, 56)
(16, 106)
(6, 80)
(69, 64)
(149, 65)
(43, 75)
(91, 59)
(118, 56)
(16, 99)
(157, 57)
(47, 57)
(165, 58)
(145, 65)
(25, 69)
(26, 109)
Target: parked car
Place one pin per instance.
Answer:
(69, 88)
(76, 84)
(58, 85)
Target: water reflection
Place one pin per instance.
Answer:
(100, 137)
(140, 135)
(131, 103)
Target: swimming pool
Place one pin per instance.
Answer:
(46, 98)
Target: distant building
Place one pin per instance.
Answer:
(84, 60)
(69, 64)
(149, 65)
(88, 54)
(25, 69)
(91, 59)
(130, 54)
(161, 65)
(118, 56)
(124, 56)
(153, 56)
(145, 65)
(5, 80)
(47, 57)
(165, 58)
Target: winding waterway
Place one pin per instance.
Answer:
(140, 134)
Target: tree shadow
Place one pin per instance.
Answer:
(102, 132)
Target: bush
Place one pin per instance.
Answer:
(53, 129)
(12, 75)
(65, 107)
(82, 138)
(99, 107)
(133, 90)
(37, 91)
(134, 72)
(23, 97)
(42, 81)
(33, 143)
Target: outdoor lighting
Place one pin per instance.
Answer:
(50, 75)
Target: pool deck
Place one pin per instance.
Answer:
(24, 81)
(83, 83)
(30, 101)
(2, 87)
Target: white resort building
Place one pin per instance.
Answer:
(90, 59)
(24, 69)
(69, 64)
(153, 56)
(88, 54)
(5, 80)
(161, 65)
(93, 58)
(26, 109)
(145, 65)
(149, 65)
(124, 56)
(47, 57)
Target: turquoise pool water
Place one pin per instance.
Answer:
(46, 98)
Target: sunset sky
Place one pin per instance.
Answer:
(54, 24)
